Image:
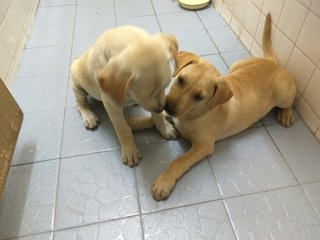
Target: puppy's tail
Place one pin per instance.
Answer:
(266, 40)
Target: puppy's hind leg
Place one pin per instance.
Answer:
(285, 116)
(140, 123)
(89, 118)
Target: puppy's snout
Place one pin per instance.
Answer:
(169, 109)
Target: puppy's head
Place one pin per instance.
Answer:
(197, 87)
(141, 71)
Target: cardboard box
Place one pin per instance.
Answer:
(11, 117)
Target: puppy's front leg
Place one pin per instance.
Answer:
(129, 151)
(166, 129)
(166, 181)
(89, 118)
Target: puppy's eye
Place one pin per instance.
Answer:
(180, 80)
(198, 97)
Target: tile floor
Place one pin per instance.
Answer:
(69, 183)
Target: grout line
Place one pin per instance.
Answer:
(218, 199)
(63, 125)
(52, 6)
(115, 12)
(30, 163)
(283, 157)
(230, 220)
(96, 223)
(139, 204)
(156, 15)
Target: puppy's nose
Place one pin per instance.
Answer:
(169, 110)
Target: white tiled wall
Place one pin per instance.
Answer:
(295, 39)
(15, 22)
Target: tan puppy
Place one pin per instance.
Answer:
(126, 65)
(207, 107)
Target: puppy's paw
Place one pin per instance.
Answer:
(168, 131)
(90, 120)
(162, 187)
(285, 117)
(131, 156)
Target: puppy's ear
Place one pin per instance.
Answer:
(221, 93)
(183, 60)
(171, 43)
(114, 80)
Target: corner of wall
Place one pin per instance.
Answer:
(16, 19)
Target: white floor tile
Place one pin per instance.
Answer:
(94, 188)
(200, 221)
(40, 137)
(48, 91)
(54, 15)
(249, 162)
(78, 140)
(46, 60)
(197, 41)
(281, 214)
(180, 22)
(312, 191)
(29, 199)
(51, 35)
(197, 185)
(300, 149)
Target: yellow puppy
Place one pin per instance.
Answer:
(126, 65)
(207, 107)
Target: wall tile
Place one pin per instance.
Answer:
(246, 38)
(258, 3)
(15, 19)
(315, 7)
(229, 3)
(218, 4)
(5, 4)
(26, 5)
(309, 36)
(17, 13)
(282, 46)
(3, 74)
(311, 94)
(226, 14)
(307, 114)
(306, 2)
(5, 57)
(2, 14)
(251, 18)
(256, 50)
(30, 17)
(10, 33)
(292, 17)
(239, 8)
(16, 60)
(236, 25)
(274, 8)
(301, 68)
